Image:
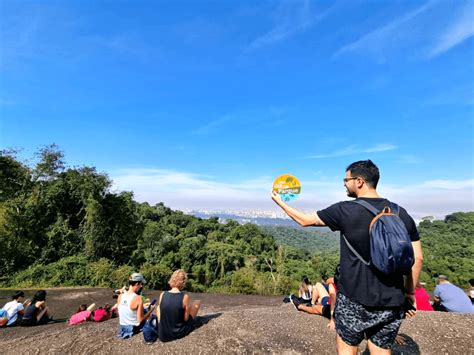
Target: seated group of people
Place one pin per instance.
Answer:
(171, 317)
(446, 297)
(320, 298)
(25, 312)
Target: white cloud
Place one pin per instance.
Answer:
(291, 17)
(182, 190)
(237, 120)
(213, 125)
(380, 148)
(433, 198)
(460, 30)
(352, 150)
(381, 36)
(448, 184)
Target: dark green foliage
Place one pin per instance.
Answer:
(311, 240)
(15, 178)
(63, 226)
(157, 275)
(448, 248)
(243, 281)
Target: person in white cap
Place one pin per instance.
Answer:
(130, 308)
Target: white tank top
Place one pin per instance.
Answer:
(126, 315)
(308, 294)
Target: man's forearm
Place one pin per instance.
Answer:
(412, 279)
(299, 217)
(416, 271)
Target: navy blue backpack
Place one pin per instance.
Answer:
(391, 250)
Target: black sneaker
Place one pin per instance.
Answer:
(295, 301)
(286, 300)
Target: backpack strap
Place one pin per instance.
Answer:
(351, 248)
(367, 206)
(395, 209)
(375, 212)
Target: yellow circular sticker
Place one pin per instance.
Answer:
(287, 186)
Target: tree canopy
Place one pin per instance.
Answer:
(64, 226)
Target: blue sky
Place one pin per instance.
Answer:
(203, 104)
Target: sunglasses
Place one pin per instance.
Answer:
(347, 179)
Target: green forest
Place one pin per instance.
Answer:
(64, 226)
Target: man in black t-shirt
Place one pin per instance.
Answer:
(369, 303)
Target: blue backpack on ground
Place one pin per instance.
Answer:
(150, 329)
(391, 250)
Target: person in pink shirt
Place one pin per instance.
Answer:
(422, 298)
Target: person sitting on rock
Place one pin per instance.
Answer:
(130, 308)
(450, 298)
(37, 313)
(15, 309)
(422, 298)
(176, 314)
(102, 314)
(83, 314)
(323, 302)
(471, 291)
(305, 292)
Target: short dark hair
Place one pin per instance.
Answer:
(133, 283)
(39, 296)
(367, 170)
(17, 295)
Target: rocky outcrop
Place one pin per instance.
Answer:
(236, 324)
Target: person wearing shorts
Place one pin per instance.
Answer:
(368, 303)
(322, 301)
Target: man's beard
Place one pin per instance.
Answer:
(351, 193)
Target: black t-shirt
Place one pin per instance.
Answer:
(358, 281)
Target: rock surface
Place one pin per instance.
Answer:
(237, 324)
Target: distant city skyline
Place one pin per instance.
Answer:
(201, 105)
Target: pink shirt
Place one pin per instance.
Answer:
(422, 300)
(79, 317)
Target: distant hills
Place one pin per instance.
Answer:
(310, 239)
(254, 218)
(285, 231)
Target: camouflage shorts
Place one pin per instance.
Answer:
(354, 322)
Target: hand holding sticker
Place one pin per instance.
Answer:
(287, 186)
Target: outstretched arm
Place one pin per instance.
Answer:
(303, 219)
